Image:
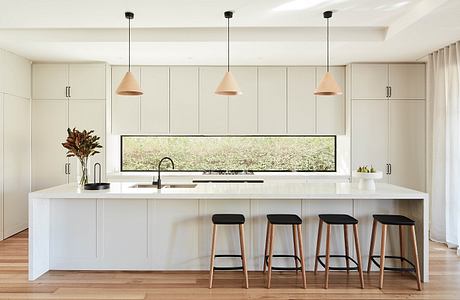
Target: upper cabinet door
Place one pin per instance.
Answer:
(125, 109)
(407, 144)
(87, 81)
(272, 100)
(330, 110)
(407, 81)
(369, 81)
(154, 107)
(49, 81)
(213, 108)
(370, 135)
(301, 100)
(242, 109)
(184, 100)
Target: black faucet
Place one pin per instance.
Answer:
(158, 182)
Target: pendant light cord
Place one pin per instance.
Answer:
(327, 68)
(129, 45)
(228, 45)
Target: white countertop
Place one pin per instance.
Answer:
(272, 190)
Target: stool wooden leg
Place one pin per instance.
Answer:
(402, 250)
(302, 259)
(267, 241)
(243, 255)
(294, 238)
(347, 253)
(318, 243)
(213, 253)
(270, 254)
(417, 263)
(358, 254)
(382, 254)
(328, 238)
(371, 248)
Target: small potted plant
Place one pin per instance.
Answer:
(82, 144)
(367, 177)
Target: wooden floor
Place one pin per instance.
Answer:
(444, 284)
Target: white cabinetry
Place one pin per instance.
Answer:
(154, 104)
(181, 100)
(16, 163)
(388, 129)
(14, 142)
(74, 81)
(49, 124)
(52, 116)
(330, 110)
(184, 100)
(301, 100)
(272, 100)
(242, 109)
(213, 108)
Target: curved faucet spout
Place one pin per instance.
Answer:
(158, 182)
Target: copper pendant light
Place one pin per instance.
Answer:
(228, 86)
(129, 85)
(328, 86)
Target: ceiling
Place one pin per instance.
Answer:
(193, 31)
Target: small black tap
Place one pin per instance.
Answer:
(158, 182)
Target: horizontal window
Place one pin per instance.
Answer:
(230, 153)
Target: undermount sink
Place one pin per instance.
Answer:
(163, 186)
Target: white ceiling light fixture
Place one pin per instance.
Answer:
(228, 86)
(328, 86)
(129, 85)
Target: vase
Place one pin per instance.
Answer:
(83, 174)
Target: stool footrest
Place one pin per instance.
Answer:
(285, 268)
(338, 268)
(373, 257)
(228, 268)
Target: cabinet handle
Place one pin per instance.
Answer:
(67, 91)
(70, 92)
(389, 169)
(389, 94)
(65, 168)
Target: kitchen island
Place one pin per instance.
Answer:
(129, 228)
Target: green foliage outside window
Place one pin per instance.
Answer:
(254, 153)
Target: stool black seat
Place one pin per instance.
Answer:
(284, 219)
(402, 222)
(229, 219)
(338, 219)
(296, 222)
(394, 220)
(345, 220)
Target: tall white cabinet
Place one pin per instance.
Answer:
(65, 96)
(388, 121)
(15, 73)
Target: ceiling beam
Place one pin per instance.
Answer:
(419, 11)
(238, 34)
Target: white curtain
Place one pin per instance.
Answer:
(443, 148)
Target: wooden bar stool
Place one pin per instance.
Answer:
(296, 223)
(345, 220)
(400, 221)
(228, 219)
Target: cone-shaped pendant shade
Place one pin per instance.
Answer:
(129, 86)
(228, 86)
(328, 86)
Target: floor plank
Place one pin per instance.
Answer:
(444, 282)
